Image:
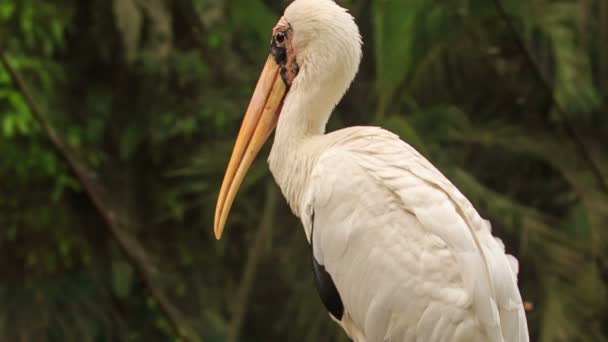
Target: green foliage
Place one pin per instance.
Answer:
(151, 93)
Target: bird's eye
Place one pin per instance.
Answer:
(279, 37)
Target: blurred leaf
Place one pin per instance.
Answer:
(574, 89)
(7, 8)
(254, 15)
(122, 278)
(151, 95)
(129, 21)
(400, 55)
(393, 21)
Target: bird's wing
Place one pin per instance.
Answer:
(409, 254)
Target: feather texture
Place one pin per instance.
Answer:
(410, 256)
(325, 284)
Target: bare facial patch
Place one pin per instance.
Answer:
(283, 52)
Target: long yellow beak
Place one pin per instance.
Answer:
(259, 122)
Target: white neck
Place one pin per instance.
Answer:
(327, 47)
(295, 151)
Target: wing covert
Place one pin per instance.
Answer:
(428, 237)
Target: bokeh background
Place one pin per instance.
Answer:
(117, 119)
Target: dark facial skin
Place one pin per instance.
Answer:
(283, 53)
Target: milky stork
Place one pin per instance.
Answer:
(399, 254)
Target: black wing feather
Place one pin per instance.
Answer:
(325, 285)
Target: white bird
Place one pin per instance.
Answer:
(399, 253)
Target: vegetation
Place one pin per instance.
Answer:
(110, 168)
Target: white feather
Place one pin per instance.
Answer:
(411, 257)
(409, 254)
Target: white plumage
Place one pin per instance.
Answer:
(409, 255)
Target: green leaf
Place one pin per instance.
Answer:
(8, 126)
(7, 8)
(64, 247)
(407, 34)
(122, 278)
(394, 22)
(254, 15)
(214, 39)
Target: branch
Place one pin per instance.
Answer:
(131, 249)
(569, 127)
(241, 302)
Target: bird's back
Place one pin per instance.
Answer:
(411, 258)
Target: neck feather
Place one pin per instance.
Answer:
(302, 121)
(320, 84)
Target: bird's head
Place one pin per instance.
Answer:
(324, 41)
(315, 54)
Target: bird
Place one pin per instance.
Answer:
(398, 252)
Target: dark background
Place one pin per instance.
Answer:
(109, 173)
